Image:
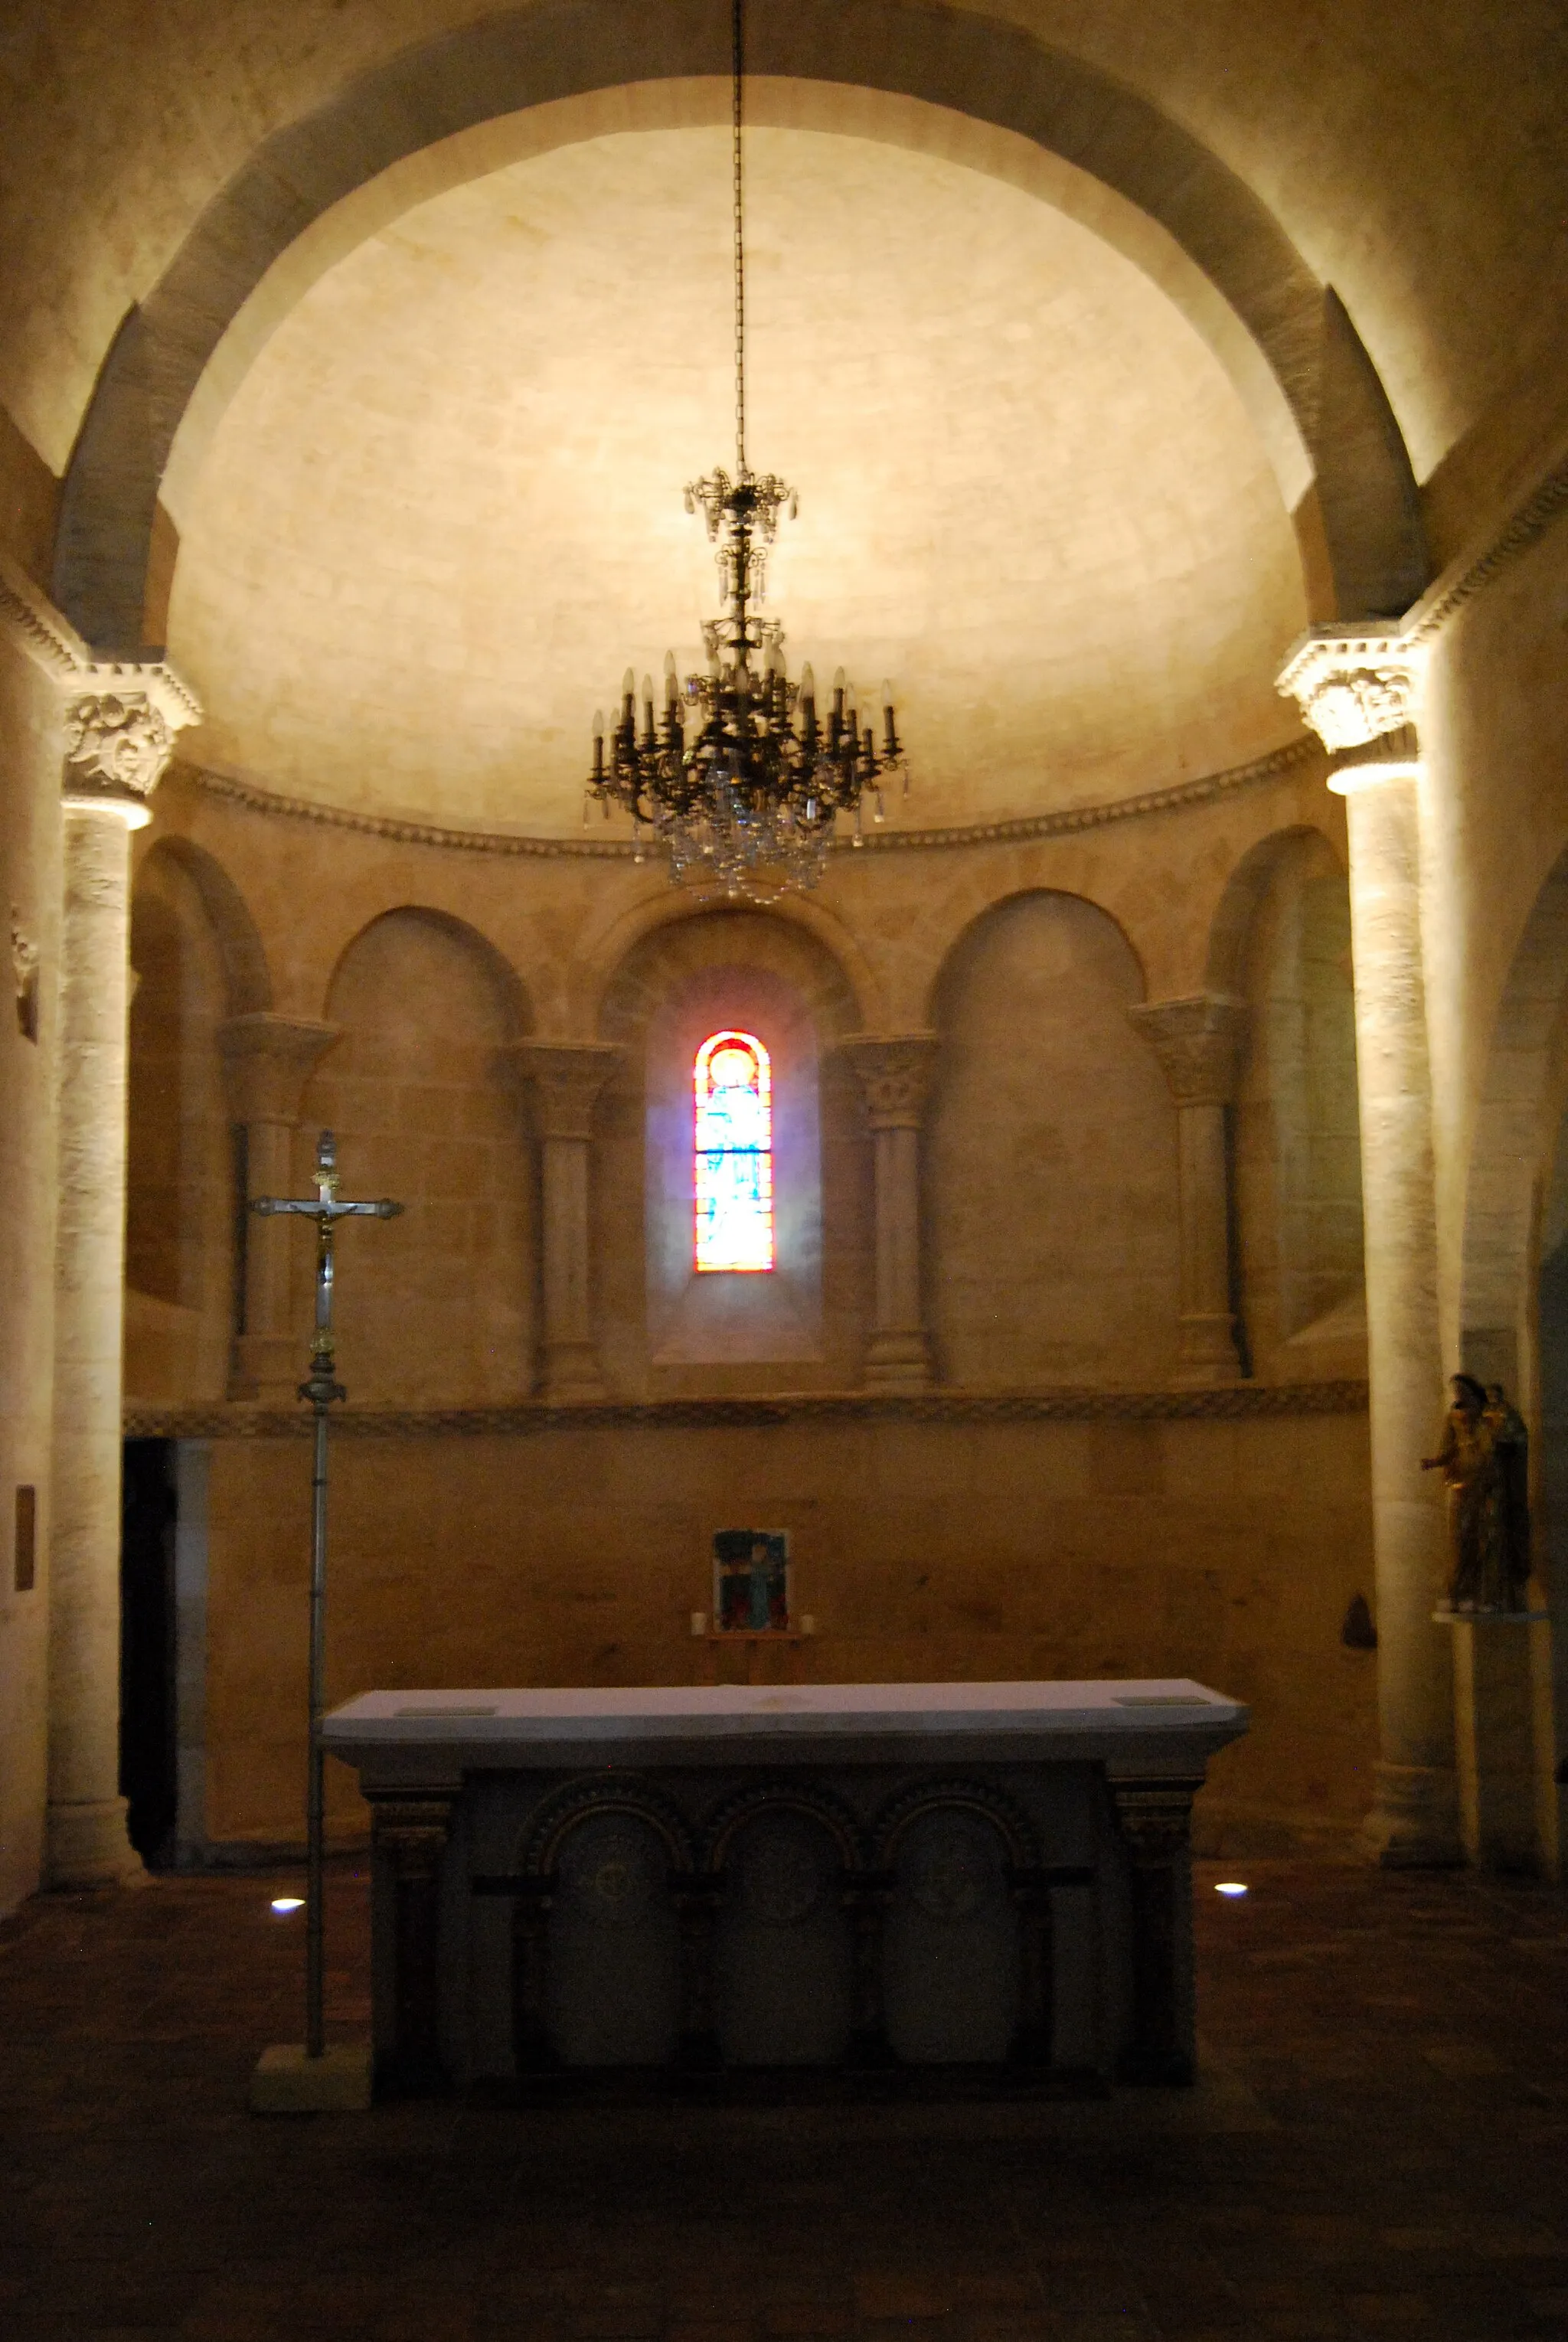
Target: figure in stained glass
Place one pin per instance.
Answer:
(734, 1182)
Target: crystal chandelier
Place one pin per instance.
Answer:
(738, 778)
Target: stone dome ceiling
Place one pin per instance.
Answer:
(442, 510)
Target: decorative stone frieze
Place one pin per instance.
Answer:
(895, 1071)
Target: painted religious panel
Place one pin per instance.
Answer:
(751, 1590)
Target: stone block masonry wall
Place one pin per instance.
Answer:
(944, 1538)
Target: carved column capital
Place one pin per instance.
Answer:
(119, 722)
(1358, 688)
(568, 1077)
(1198, 1042)
(894, 1071)
(267, 1060)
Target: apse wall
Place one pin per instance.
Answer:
(1057, 1503)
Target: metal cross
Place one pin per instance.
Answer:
(321, 1388)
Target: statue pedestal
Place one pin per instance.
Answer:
(1503, 1739)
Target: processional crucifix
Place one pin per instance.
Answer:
(322, 1388)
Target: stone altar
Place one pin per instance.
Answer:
(986, 1876)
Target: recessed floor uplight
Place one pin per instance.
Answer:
(1223, 1886)
(284, 1903)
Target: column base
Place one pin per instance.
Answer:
(1415, 1822)
(1207, 1352)
(84, 1845)
(571, 1373)
(898, 1362)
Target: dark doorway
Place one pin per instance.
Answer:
(148, 1764)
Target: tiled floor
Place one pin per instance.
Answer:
(1380, 2149)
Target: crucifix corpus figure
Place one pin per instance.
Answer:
(289, 2080)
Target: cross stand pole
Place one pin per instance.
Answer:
(281, 2082)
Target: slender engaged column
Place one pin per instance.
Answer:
(267, 1060)
(1155, 1821)
(896, 1073)
(568, 1077)
(1198, 1042)
(1358, 691)
(119, 732)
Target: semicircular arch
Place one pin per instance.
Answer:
(511, 992)
(525, 58)
(247, 980)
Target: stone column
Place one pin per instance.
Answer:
(120, 723)
(1198, 1042)
(568, 1077)
(1154, 1817)
(267, 1060)
(1357, 690)
(409, 1834)
(896, 1072)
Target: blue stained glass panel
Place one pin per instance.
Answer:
(734, 1154)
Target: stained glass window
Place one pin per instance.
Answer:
(735, 1153)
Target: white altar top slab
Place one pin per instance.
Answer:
(1142, 1722)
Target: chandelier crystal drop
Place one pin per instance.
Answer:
(736, 774)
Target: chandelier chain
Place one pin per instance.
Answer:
(737, 75)
(741, 775)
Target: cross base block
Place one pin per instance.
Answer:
(288, 2082)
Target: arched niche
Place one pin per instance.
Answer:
(197, 960)
(436, 1307)
(666, 1328)
(1051, 1185)
(1282, 943)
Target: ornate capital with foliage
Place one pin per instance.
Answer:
(120, 723)
(1198, 1042)
(566, 1078)
(267, 1060)
(1358, 689)
(896, 1072)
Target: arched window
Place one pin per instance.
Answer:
(734, 1154)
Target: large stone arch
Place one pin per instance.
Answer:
(530, 57)
(986, 912)
(510, 990)
(1237, 908)
(665, 1329)
(670, 922)
(238, 938)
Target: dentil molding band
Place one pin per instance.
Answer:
(1280, 764)
(1238, 1403)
